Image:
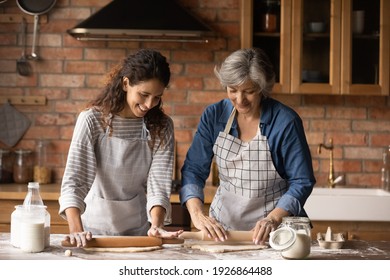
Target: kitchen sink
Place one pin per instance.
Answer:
(348, 204)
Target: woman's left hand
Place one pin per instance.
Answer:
(262, 230)
(161, 233)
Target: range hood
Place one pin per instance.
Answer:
(142, 20)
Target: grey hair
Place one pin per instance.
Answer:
(247, 64)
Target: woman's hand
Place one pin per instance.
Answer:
(262, 230)
(263, 227)
(155, 231)
(77, 235)
(206, 224)
(209, 226)
(79, 238)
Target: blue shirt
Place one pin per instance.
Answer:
(287, 142)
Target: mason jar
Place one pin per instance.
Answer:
(270, 16)
(6, 166)
(23, 167)
(41, 171)
(292, 238)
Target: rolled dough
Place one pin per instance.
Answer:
(122, 249)
(218, 247)
(227, 248)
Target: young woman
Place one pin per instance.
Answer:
(118, 175)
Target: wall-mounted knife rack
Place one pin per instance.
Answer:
(17, 18)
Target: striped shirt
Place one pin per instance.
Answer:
(81, 164)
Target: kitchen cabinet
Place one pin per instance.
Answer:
(330, 60)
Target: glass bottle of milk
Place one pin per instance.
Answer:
(32, 229)
(30, 222)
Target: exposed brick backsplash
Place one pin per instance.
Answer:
(71, 72)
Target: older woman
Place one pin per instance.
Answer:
(260, 148)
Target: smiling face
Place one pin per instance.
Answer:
(141, 97)
(245, 98)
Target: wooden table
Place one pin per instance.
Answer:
(352, 250)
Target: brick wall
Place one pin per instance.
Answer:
(71, 72)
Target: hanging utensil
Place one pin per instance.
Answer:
(22, 64)
(33, 54)
(35, 8)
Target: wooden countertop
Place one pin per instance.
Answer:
(352, 250)
(52, 192)
(19, 191)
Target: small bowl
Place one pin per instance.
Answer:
(317, 26)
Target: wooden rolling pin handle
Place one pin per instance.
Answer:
(240, 235)
(119, 241)
(126, 241)
(197, 235)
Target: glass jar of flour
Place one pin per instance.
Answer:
(292, 238)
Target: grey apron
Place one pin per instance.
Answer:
(249, 186)
(116, 203)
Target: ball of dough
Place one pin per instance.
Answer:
(68, 253)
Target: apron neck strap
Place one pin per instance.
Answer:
(145, 134)
(230, 121)
(109, 121)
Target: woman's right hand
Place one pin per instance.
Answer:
(77, 235)
(204, 223)
(79, 238)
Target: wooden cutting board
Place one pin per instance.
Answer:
(125, 241)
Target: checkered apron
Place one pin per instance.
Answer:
(249, 186)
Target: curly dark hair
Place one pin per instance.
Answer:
(144, 65)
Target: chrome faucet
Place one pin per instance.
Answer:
(331, 181)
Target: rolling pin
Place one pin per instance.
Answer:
(125, 241)
(232, 235)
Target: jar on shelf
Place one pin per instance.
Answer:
(42, 173)
(270, 17)
(6, 166)
(292, 238)
(23, 167)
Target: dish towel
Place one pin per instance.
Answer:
(13, 125)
